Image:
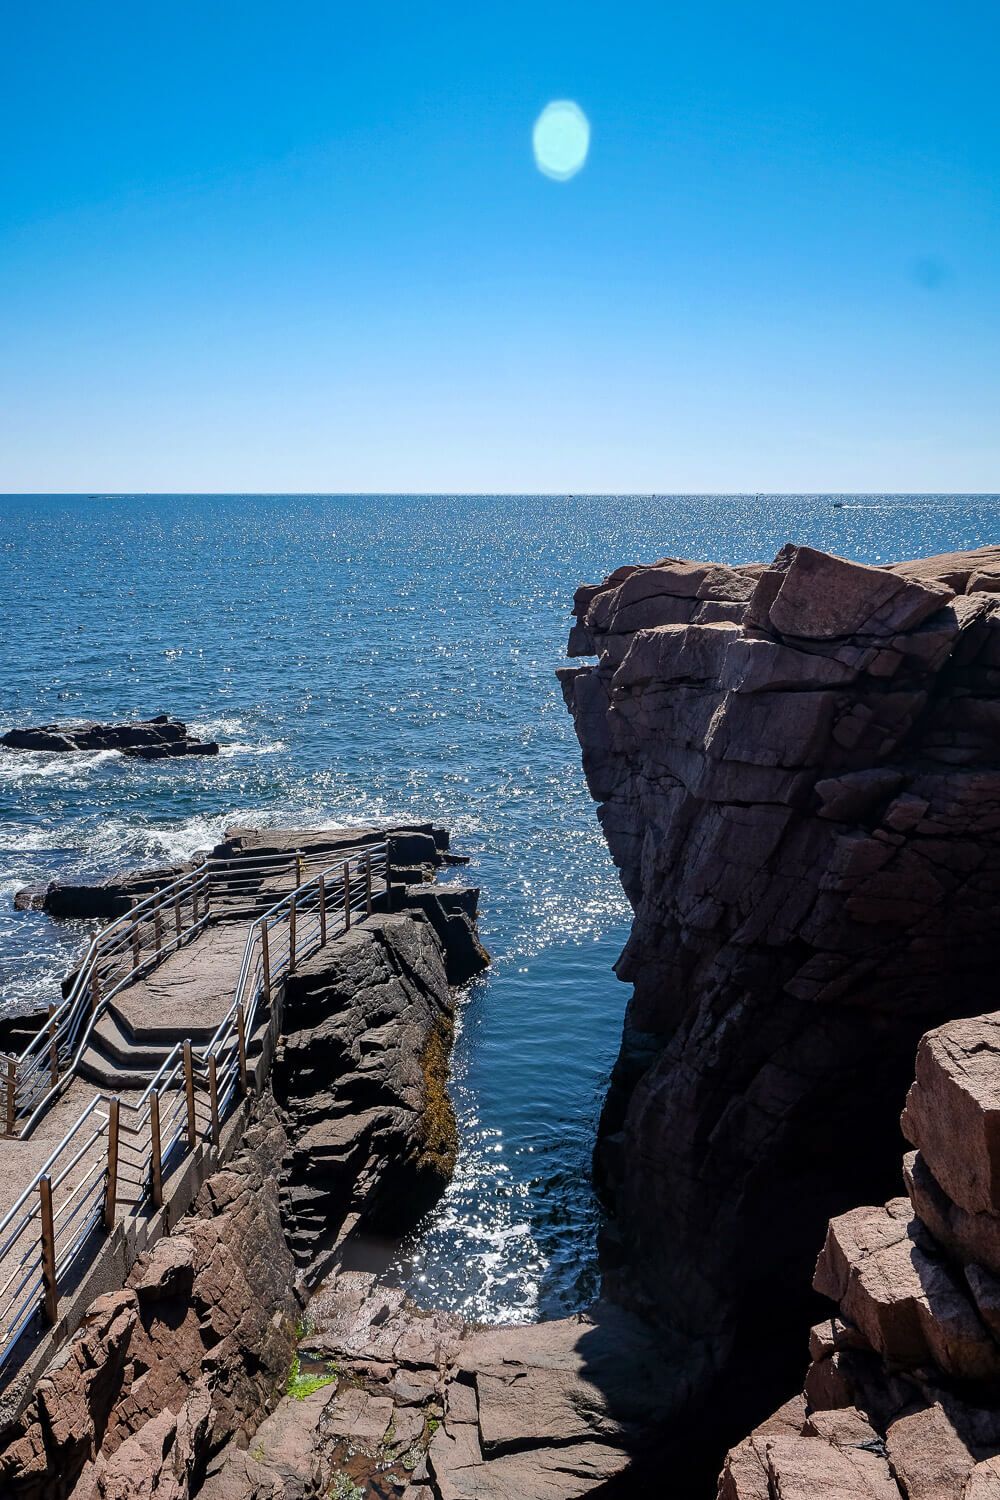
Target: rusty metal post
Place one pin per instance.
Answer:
(299, 868)
(322, 911)
(111, 1185)
(347, 895)
(213, 1098)
(368, 883)
(53, 1048)
(291, 935)
(158, 921)
(241, 1042)
(50, 1301)
(177, 915)
(136, 946)
(192, 1121)
(11, 1094)
(265, 960)
(155, 1151)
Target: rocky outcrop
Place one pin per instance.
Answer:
(188, 1356)
(907, 1371)
(798, 776)
(361, 1074)
(161, 738)
(423, 1404)
(416, 852)
(181, 1366)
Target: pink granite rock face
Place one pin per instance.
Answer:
(915, 1344)
(798, 777)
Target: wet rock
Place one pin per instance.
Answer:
(152, 739)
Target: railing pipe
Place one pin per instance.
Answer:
(192, 1122)
(111, 1186)
(11, 1094)
(213, 1098)
(50, 1286)
(241, 1037)
(155, 1158)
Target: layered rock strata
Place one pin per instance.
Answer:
(904, 1384)
(361, 1075)
(161, 738)
(798, 776)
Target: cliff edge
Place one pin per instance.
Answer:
(797, 767)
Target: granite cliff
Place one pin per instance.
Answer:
(797, 767)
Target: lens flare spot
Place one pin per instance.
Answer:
(561, 139)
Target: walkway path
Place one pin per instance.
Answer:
(158, 1060)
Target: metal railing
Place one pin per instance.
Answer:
(114, 1160)
(127, 949)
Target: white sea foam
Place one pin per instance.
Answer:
(21, 767)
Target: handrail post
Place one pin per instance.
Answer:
(298, 867)
(388, 877)
(192, 1122)
(48, 1236)
(322, 911)
(111, 1187)
(213, 1097)
(53, 1049)
(155, 1151)
(95, 990)
(177, 915)
(347, 895)
(11, 1093)
(291, 935)
(368, 883)
(241, 1042)
(266, 963)
(136, 942)
(158, 921)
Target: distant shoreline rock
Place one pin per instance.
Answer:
(161, 738)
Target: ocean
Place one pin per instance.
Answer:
(368, 657)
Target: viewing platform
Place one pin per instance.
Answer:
(136, 1087)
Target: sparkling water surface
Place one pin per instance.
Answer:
(369, 657)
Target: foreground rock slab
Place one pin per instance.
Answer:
(442, 1411)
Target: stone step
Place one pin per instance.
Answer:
(158, 1032)
(113, 1037)
(110, 1074)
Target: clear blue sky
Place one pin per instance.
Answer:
(305, 246)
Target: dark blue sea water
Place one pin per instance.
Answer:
(364, 657)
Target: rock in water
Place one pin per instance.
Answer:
(151, 739)
(798, 778)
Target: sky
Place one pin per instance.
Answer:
(307, 247)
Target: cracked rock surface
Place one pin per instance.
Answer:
(797, 770)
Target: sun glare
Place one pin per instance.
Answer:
(561, 139)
